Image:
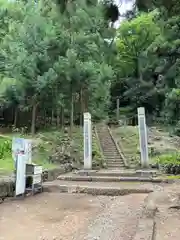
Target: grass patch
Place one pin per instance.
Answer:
(6, 165)
(6, 162)
(173, 177)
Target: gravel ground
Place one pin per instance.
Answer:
(118, 220)
(167, 224)
(57, 216)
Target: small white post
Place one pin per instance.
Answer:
(20, 174)
(143, 137)
(87, 142)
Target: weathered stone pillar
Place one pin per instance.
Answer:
(87, 142)
(143, 137)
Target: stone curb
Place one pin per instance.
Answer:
(108, 179)
(111, 191)
(146, 229)
(110, 174)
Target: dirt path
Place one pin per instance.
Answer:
(55, 216)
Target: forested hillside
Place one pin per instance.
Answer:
(148, 59)
(61, 58)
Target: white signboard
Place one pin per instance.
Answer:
(37, 179)
(38, 170)
(22, 146)
(20, 175)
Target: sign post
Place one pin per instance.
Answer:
(22, 154)
(20, 175)
(143, 137)
(87, 142)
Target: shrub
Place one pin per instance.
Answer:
(5, 148)
(170, 163)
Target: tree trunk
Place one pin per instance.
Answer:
(86, 102)
(72, 114)
(33, 120)
(62, 117)
(58, 117)
(45, 123)
(81, 107)
(15, 117)
(52, 117)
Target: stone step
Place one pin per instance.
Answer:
(111, 173)
(112, 156)
(101, 188)
(115, 152)
(118, 161)
(109, 150)
(115, 163)
(113, 159)
(105, 140)
(104, 136)
(108, 144)
(119, 166)
(79, 178)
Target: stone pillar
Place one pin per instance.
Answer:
(87, 142)
(143, 137)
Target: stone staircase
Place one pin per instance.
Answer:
(112, 155)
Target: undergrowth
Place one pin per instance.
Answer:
(51, 148)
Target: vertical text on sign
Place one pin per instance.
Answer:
(87, 141)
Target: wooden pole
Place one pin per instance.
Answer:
(117, 109)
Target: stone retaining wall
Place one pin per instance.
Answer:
(7, 185)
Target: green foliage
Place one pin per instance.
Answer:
(147, 63)
(59, 59)
(133, 38)
(56, 61)
(170, 163)
(170, 6)
(5, 147)
(58, 146)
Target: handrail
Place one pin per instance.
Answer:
(99, 143)
(118, 148)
